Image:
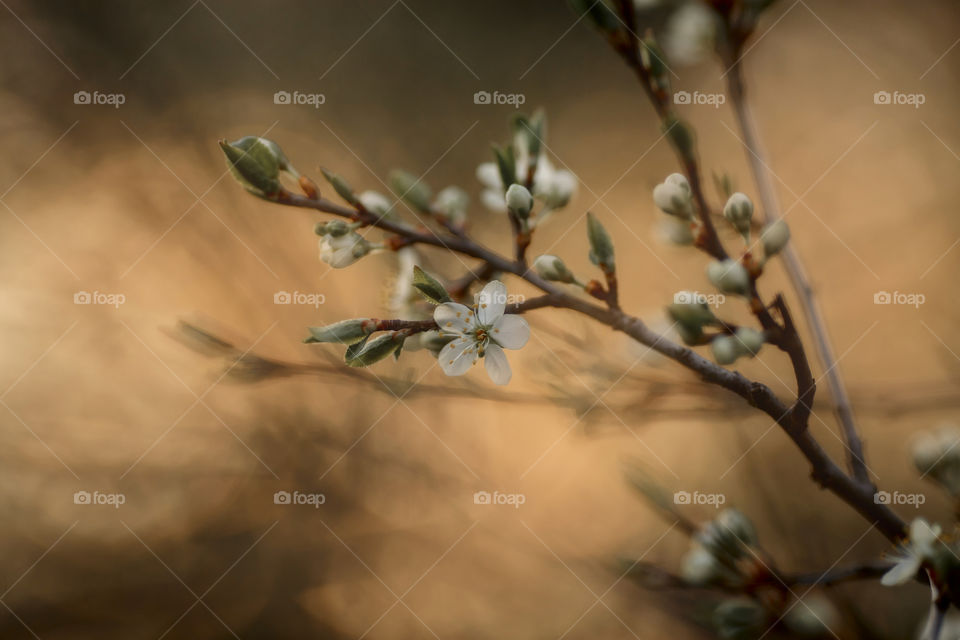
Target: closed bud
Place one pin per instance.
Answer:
(343, 189)
(553, 268)
(673, 196)
(343, 332)
(343, 250)
(256, 163)
(375, 202)
(738, 524)
(812, 617)
(519, 201)
(452, 203)
(725, 350)
(739, 618)
(729, 276)
(699, 566)
(749, 340)
(334, 228)
(739, 212)
(410, 188)
(601, 246)
(775, 237)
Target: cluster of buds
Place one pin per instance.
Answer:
(522, 163)
(725, 554)
(692, 318)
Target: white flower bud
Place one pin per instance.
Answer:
(774, 237)
(519, 201)
(673, 196)
(343, 250)
(812, 617)
(729, 276)
(555, 187)
(739, 211)
(725, 349)
(375, 202)
(699, 566)
(749, 340)
(452, 202)
(553, 268)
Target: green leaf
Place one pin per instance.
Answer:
(507, 164)
(531, 130)
(341, 186)
(344, 332)
(601, 247)
(429, 287)
(374, 350)
(416, 192)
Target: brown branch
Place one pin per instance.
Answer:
(823, 470)
(794, 267)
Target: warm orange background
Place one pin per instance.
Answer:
(103, 199)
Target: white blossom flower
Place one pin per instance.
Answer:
(555, 187)
(690, 33)
(481, 332)
(921, 546)
(343, 250)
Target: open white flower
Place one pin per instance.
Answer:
(481, 332)
(921, 546)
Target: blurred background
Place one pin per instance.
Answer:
(132, 201)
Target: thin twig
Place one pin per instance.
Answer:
(797, 275)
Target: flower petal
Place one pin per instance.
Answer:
(457, 356)
(903, 571)
(511, 332)
(497, 366)
(491, 302)
(489, 176)
(453, 318)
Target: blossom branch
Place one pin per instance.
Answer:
(823, 470)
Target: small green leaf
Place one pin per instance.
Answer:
(341, 186)
(416, 192)
(429, 287)
(601, 247)
(344, 332)
(374, 350)
(507, 164)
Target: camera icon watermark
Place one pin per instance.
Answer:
(297, 297)
(897, 498)
(98, 297)
(512, 99)
(513, 499)
(97, 98)
(297, 498)
(899, 98)
(99, 498)
(715, 500)
(697, 98)
(910, 299)
(695, 297)
(298, 97)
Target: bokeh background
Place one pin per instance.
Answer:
(135, 201)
